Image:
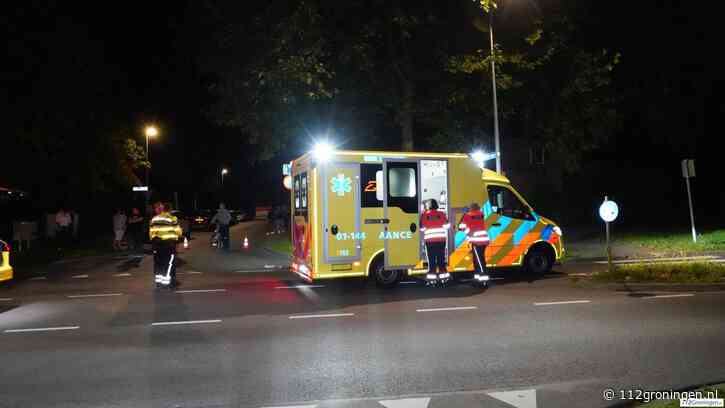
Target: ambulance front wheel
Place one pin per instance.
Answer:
(539, 261)
(384, 278)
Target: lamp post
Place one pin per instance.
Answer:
(224, 172)
(495, 99)
(150, 132)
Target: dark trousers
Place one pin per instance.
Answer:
(164, 262)
(224, 235)
(436, 257)
(478, 252)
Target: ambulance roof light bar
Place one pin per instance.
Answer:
(323, 151)
(480, 157)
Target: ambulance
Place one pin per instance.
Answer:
(357, 214)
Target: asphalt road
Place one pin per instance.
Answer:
(93, 333)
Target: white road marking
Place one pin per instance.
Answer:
(321, 315)
(5, 299)
(79, 276)
(294, 406)
(186, 322)
(443, 309)
(118, 275)
(193, 273)
(42, 329)
(406, 403)
(669, 296)
(519, 399)
(674, 259)
(201, 290)
(39, 278)
(408, 282)
(94, 295)
(299, 286)
(565, 302)
(270, 266)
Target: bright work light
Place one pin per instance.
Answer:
(323, 151)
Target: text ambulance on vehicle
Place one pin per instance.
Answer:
(357, 213)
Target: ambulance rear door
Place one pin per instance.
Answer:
(401, 204)
(340, 183)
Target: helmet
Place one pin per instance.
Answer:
(431, 204)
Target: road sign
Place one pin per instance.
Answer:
(609, 210)
(286, 169)
(140, 188)
(688, 168)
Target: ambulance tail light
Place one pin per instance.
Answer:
(557, 230)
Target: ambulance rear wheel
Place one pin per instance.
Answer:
(384, 278)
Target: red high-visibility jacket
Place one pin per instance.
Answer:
(434, 226)
(474, 225)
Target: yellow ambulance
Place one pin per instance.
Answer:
(357, 213)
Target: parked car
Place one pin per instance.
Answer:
(6, 270)
(200, 219)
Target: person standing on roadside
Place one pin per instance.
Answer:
(164, 233)
(135, 230)
(222, 218)
(63, 222)
(119, 229)
(474, 226)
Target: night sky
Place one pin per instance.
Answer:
(144, 57)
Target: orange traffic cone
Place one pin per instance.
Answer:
(245, 245)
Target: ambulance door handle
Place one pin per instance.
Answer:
(498, 224)
(413, 227)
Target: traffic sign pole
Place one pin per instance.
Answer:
(692, 214)
(688, 171)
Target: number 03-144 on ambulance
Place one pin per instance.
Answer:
(357, 214)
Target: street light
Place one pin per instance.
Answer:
(224, 171)
(495, 101)
(150, 132)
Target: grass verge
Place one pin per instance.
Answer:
(278, 243)
(713, 391)
(681, 272)
(676, 244)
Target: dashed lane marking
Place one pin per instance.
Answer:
(41, 329)
(79, 276)
(669, 296)
(443, 309)
(119, 275)
(565, 302)
(321, 315)
(186, 322)
(39, 278)
(299, 286)
(5, 299)
(94, 295)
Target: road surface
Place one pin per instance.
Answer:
(241, 333)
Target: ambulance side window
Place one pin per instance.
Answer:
(504, 202)
(371, 192)
(403, 186)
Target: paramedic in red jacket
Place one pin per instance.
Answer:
(473, 225)
(434, 226)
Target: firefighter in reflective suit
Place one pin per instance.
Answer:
(473, 225)
(434, 226)
(164, 232)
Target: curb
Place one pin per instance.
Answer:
(658, 287)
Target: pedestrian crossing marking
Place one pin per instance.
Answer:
(406, 403)
(518, 399)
